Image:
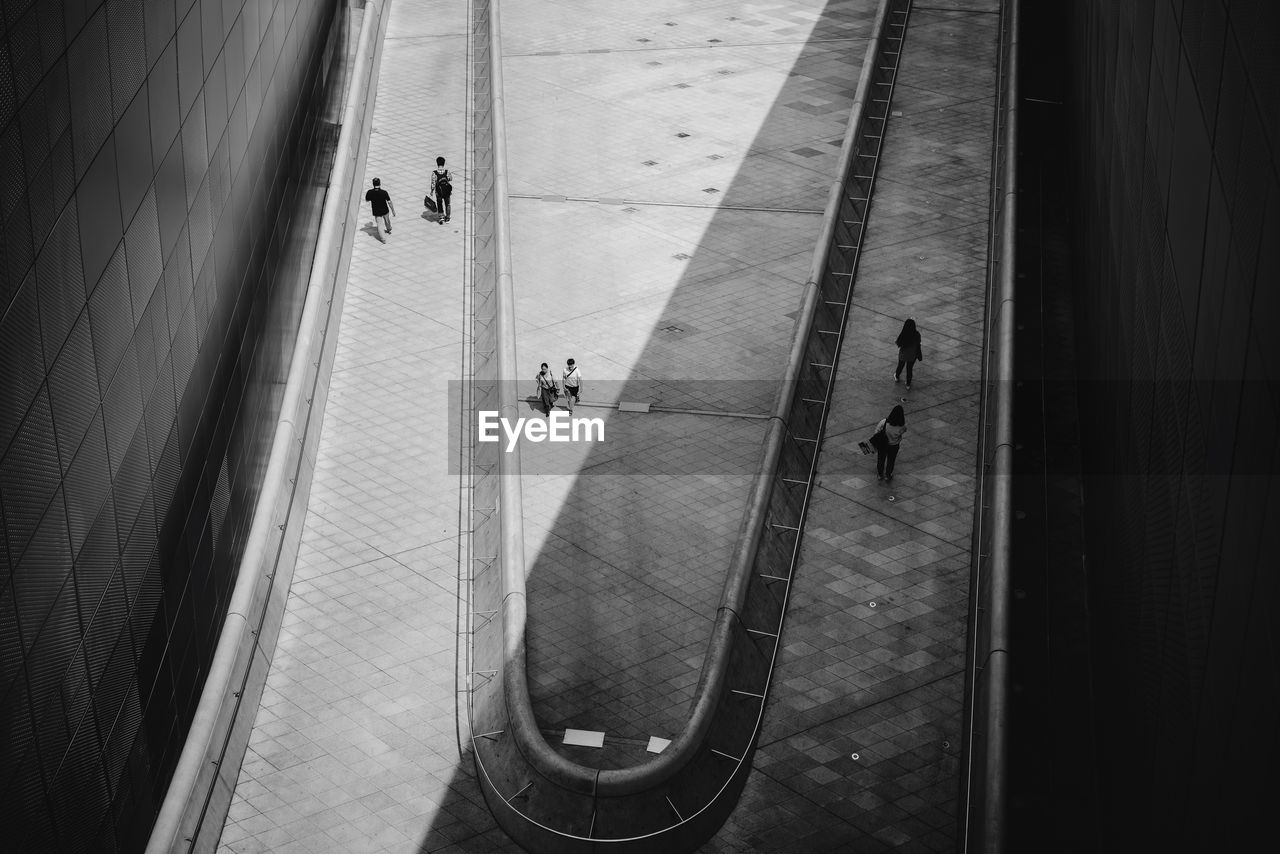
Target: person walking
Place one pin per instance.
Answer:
(547, 390)
(909, 350)
(572, 383)
(380, 200)
(442, 188)
(886, 441)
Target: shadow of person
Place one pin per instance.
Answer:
(371, 229)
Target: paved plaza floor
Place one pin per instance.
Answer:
(669, 168)
(861, 743)
(668, 165)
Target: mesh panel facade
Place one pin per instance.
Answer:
(1176, 134)
(158, 203)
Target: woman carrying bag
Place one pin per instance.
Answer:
(886, 439)
(548, 391)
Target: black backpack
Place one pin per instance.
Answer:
(443, 185)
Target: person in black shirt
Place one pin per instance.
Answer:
(383, 209)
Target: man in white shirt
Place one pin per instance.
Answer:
(572, 384)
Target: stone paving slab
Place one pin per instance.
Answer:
(707, 95)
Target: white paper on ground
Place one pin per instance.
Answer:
(584, 737)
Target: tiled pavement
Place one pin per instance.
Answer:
(711, 132)
(355, 746)
(874, 642)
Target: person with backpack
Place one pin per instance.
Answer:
(442, 189)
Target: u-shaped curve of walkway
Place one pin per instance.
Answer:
(667, 266)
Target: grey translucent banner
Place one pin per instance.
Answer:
(716, 427)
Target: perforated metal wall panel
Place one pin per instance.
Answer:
(1177, 169)
(140, 143)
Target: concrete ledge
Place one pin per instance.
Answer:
(983, 778)
(543, 800)
(199, 795)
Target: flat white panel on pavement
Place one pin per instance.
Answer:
(584, 738)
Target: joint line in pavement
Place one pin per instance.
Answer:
(675, 410)
(551, 197)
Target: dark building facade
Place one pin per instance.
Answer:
(1174, 123)
(157, 191)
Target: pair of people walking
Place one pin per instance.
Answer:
(886, 439)
(549, 390)
(439, 199)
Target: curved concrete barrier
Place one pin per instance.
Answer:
(987, 670)
(641, 806)
(199, 795)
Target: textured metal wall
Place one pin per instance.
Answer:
(157, 189)
(1178, 136)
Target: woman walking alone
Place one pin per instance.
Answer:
(887, 450)
(909, 351)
